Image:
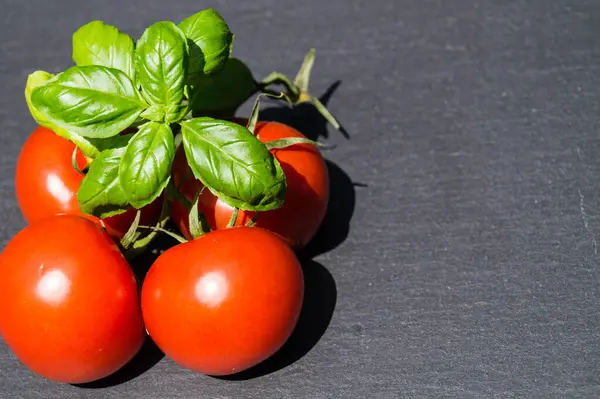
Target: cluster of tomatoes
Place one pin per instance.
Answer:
(224, 299)
(70, 308)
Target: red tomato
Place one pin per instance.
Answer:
(306, 198)
(46, 183)
(225, 301)
(69, 302)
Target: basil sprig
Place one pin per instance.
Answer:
(146, 90)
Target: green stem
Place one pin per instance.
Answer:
(279, 78)
(252, 221)
(74, 163)
(165, 231)
(140, 244)
(234, 217)
(196, 220)
(253, 119)
(132, 234)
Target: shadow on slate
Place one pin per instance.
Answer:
(336, 225)
(145, 359)
(307, 120)
(320, 295)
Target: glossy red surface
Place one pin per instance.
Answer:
(46, 183)
(306, 198)
(69, 303)
(225, 301)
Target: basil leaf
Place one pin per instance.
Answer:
(91, 101)
(146, 165)
(161, 63)
(97, 43)
(37, 79)
(155, 113)
(159, 113)
(176, 112)
(118, 141)
(234, 164)
(223, 93)
(210, 43)
(100, 193)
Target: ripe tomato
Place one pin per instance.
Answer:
(69, 303)
(225, 301)
(46, 183)
(306, 198)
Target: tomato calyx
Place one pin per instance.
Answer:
(253, 118)
(280, 143)
(297, 91)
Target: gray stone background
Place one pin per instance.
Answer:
(460, 255)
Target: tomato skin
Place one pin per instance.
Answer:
(306, 199)
(46, 183)
(224, 302)
(69, 302)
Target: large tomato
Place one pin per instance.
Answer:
(225, 301)
(69, 302)
(46, 183)
(306, 198)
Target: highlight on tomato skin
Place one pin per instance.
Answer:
(46, 184)
(69, 302)
(225, 301)
(307, 195)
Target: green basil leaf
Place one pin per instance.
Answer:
(161, 63)
(210, 43)
(146, 165)
(118, 141)
(97, 43)
(224, 92)
(91, 101)
(155, 113)
(175, 112)
(234, 164)
(160, 113)
(100, 193)
(37, 79)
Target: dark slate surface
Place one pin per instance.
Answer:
(460, 255)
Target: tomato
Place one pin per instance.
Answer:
(46, 183)
(306, 198)
(69, 302)
(225, 301)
